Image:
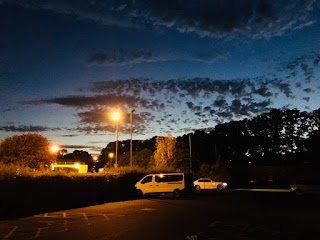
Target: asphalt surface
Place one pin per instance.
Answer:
(236, 214)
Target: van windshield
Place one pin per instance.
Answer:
(146, 179)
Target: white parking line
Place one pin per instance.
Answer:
(38, 233)
(262, 190)
(86, 218)
(10, 233)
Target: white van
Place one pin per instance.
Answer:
(162, 184)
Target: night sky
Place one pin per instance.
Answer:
(182, 65)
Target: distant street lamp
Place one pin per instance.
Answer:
(131, 136)
(111, 155)
(95, 160)
(116, 117)
(190, 153)
(54, 148)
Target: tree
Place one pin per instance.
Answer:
(32, 150)
(142, 158)
(165, 150)
(78, 156)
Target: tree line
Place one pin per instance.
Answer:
(278, 137)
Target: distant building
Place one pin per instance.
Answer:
(74, 167)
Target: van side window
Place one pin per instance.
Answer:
(147, 179)
(169, 178)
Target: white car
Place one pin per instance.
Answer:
(207, 183)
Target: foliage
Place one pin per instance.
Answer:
(217, 172)
(181, 160)
(142, 158)
(14, 171)
(165, 150)
(78, 156)
(32, 150)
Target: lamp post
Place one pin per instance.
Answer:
(116, 117)
(190, 153)
(95, 160)
(54, 149)
(131, 136)
(111, 156)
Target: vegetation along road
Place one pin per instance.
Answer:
(229, 214)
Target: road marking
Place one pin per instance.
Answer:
(86, 218)
(53, 215)
(262, 189)
(10, 233)
(106, 217)
(38, 233)
(148, 209)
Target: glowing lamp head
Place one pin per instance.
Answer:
(115, 116)
(54, 148)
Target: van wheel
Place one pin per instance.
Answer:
(219, 187)
(139, 194)
(177, 193)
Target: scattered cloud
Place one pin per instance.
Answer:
(23, 128)
(228, 18)
(302, 67)
(122, 57)
(216, 101)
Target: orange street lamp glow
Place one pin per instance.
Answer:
(111, 155)
(54, 148)
(115, 116)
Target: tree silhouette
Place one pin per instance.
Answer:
(31, 149)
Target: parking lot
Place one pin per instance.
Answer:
(233, 214)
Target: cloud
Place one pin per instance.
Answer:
(23, 128)
(90, 148)
(210, 56)
(301, 67)
(194, 87)
(122, 57)
(114, 100)
(199, 100)
(255, 19)
(228, 18)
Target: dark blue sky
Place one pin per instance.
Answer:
(182, 65)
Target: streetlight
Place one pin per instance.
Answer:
(131, 136)
(111, 156)
(54, 148)
(116, 117)
(95, 160)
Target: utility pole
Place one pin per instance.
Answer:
(131, 136)
(190, 153)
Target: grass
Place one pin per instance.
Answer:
(27, 191)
